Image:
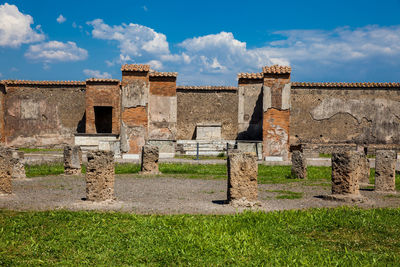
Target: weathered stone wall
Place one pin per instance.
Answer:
(207, 106)
(341, 115)
(43, 115)
(162, 108)
(2, 92)
(250, 109)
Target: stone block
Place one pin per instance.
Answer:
(72, 160)
(150, 155)
(385, 170)
(6, 168)
(299, 165)
(18, 171)
(100, 176)
(208, 132)
(242, 176)
(345, 173)
(364, 169)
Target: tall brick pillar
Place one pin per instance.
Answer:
(162, 106)
(276, 112)
(135, 88)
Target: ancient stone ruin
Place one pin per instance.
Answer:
(364, 166)
(299, 163)
(6, 168)
(72, 160)
(100, 175)
(150, 156)
(18, 165)
(242, 177)
(345, 177)
(385, 171)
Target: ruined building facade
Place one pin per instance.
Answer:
(266, 111)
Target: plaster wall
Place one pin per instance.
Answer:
(207, 107)
(363, 116)
(43, 116)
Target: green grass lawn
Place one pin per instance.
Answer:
(317, 237)
(266, 174)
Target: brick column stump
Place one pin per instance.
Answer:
(385, 171)
(150, 156)
(242, 178)
(6, 168)
(346, 169)
(100, 176)
(72, 160)
(299, 165)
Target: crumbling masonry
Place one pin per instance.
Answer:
(265, 113)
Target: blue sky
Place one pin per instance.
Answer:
(206, 42)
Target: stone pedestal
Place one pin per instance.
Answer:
(299, 165)
(346, 170)
(364, 165)
(150, 156)
(72, 160)
(242, 177)
(100, 175)
(6, 168)
(18, 171)
(385, 171)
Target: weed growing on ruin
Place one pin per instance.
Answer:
(317, 237)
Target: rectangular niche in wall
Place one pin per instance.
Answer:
(103, 119)
(208, 131)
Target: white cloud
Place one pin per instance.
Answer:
(339, 54)
(134, 40)
(56, 51)
(74, 25)
(15, 27)
(61, 19)
(96, 74)
(145, 8)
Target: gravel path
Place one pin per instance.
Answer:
(164, 195)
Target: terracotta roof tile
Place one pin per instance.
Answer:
(135, 67)
(230, 88)
(276, 69)
(346, 85)
(103, 80)
(25, 82)
(163, 74)
(245, 75)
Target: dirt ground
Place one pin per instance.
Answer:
(165, 195)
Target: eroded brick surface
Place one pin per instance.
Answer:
(242, 176)
(299, 165)
(276, 133)
(385, 170)
(72, 160)
(150, 156)
(346, 173)
(6, 168)
(100, 176)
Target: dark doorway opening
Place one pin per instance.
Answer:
(103, 119)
